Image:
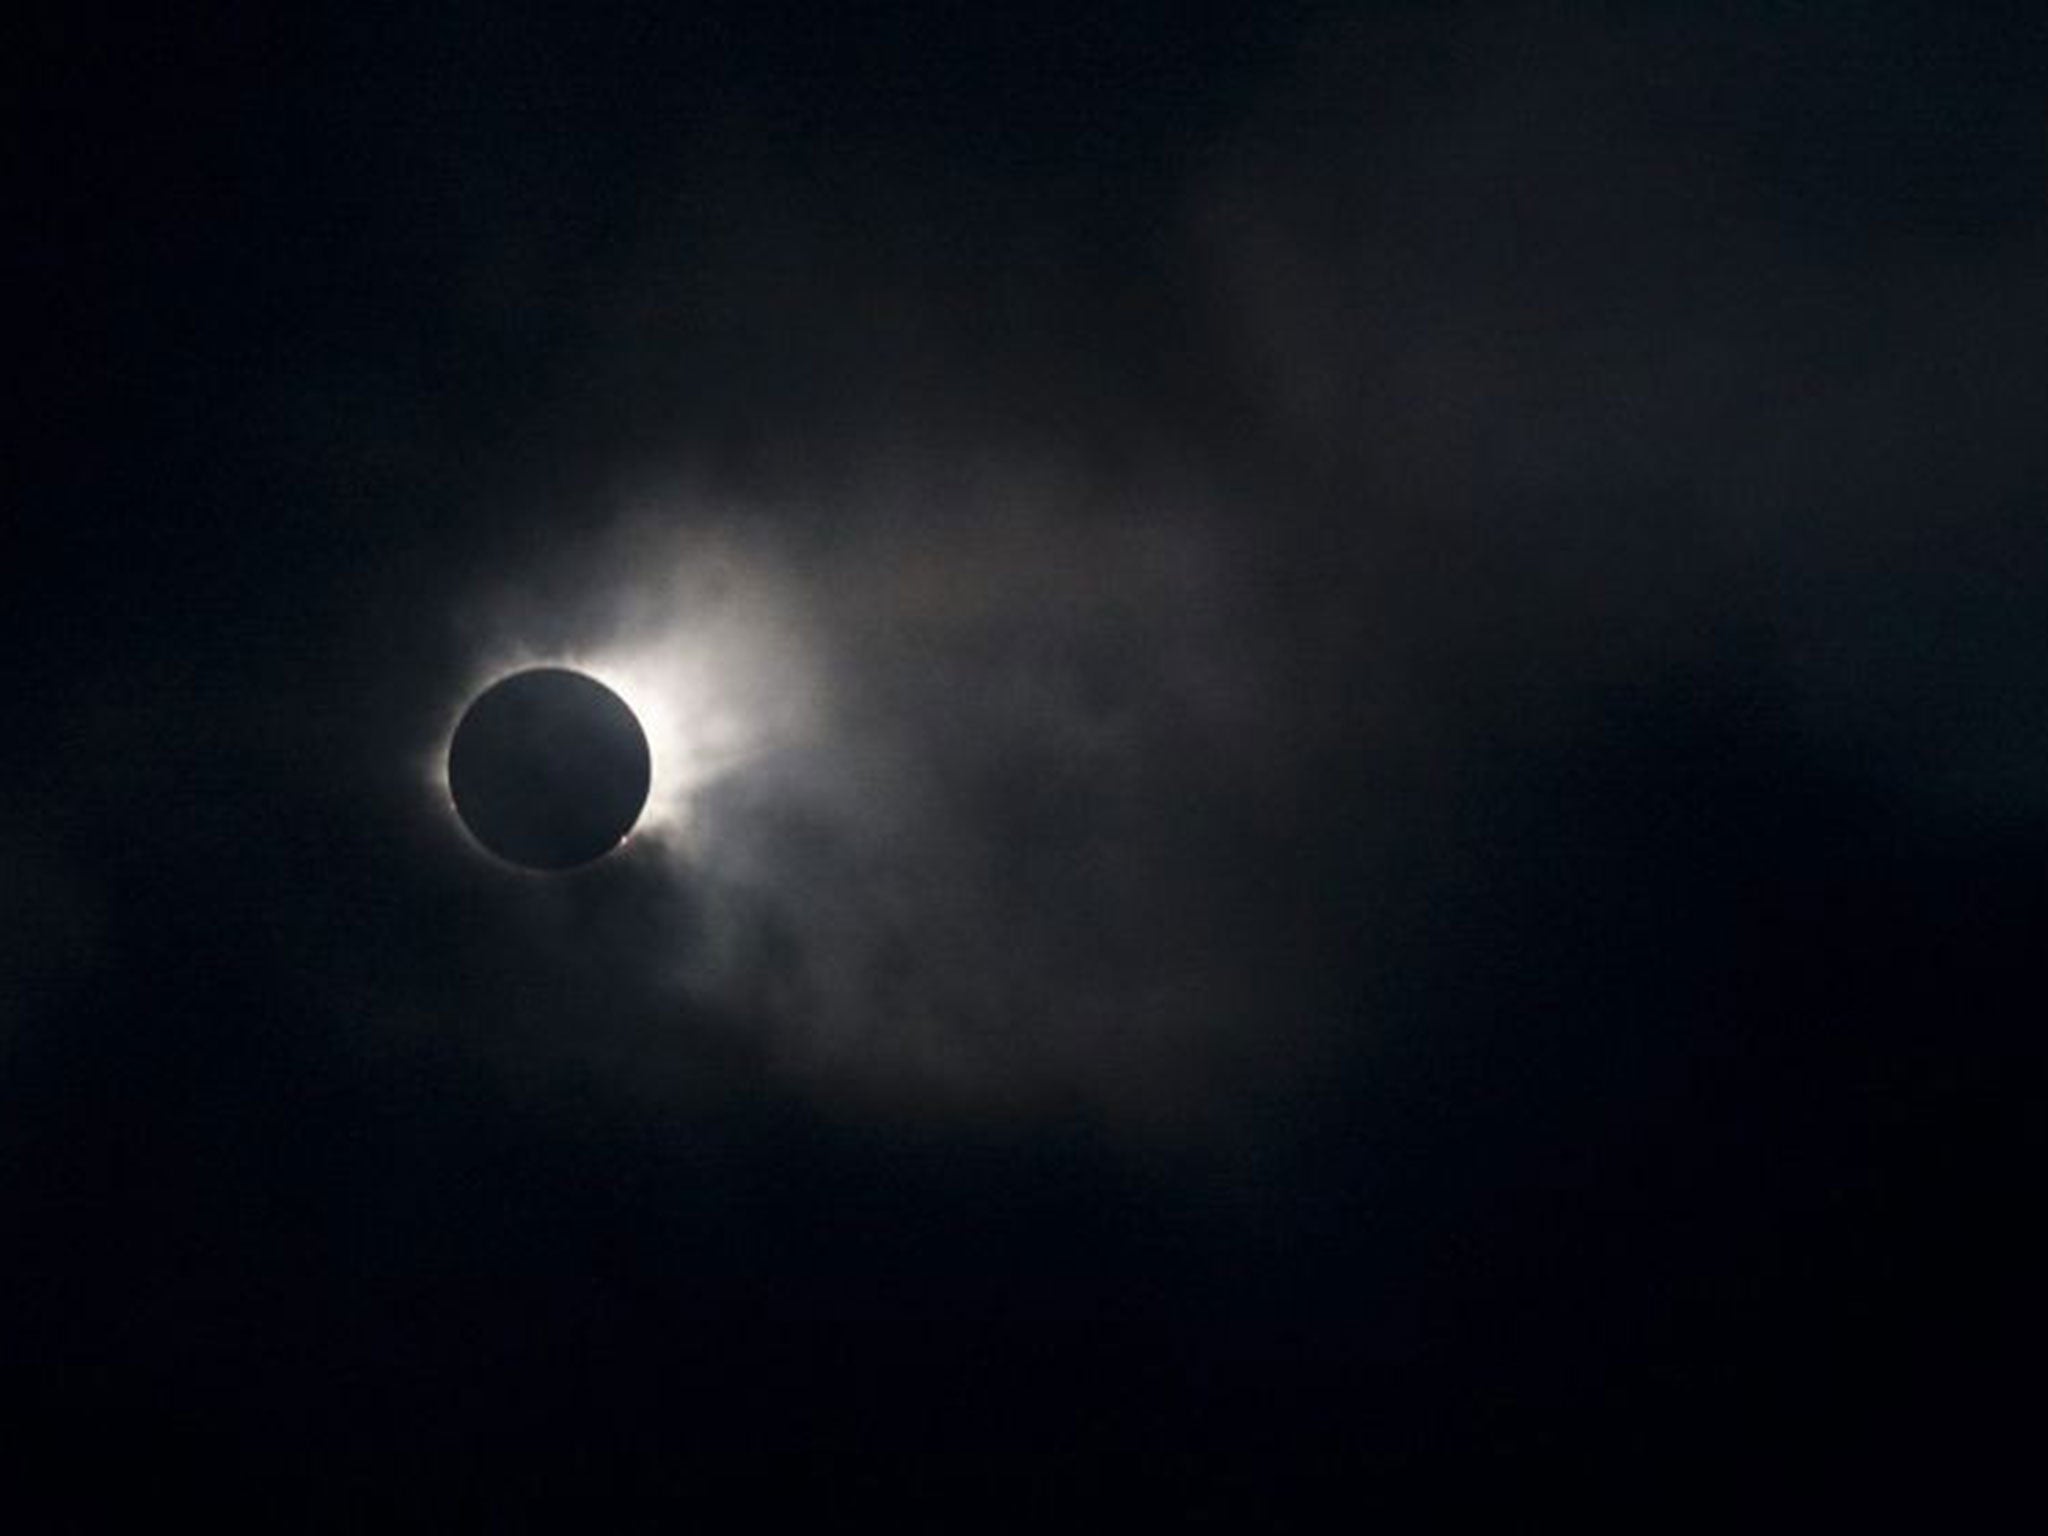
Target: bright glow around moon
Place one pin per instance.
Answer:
(703, 648)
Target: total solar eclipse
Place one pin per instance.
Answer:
(549, 769)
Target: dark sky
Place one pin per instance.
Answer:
(1389, 829)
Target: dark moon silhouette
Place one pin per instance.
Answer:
(548, 769)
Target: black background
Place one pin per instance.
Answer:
(1594, 946)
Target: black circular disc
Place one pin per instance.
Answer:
(548, 768)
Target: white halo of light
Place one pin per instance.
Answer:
(703, 648)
